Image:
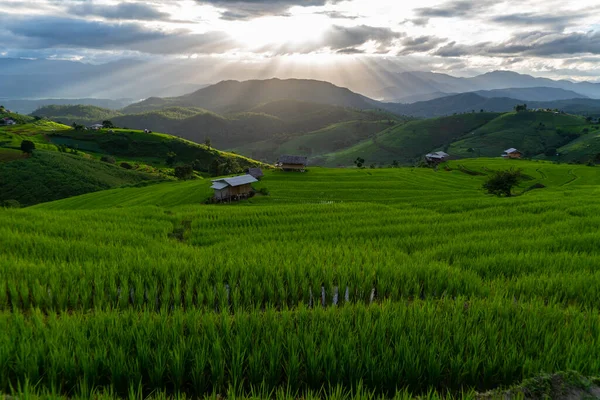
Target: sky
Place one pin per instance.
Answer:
(551, 38)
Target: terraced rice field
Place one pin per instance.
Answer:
(341, 283)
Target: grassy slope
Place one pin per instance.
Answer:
(19, 118)
(81, 114)
(329, 139)
(530, 132)
(38, 132)
(586, 147)
(388, 185)
(409, 142)
(48, 176)
(257, 123)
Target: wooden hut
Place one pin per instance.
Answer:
(234, 188)
(292, 163)
(437, 157)
(512, 153)
(255, 172)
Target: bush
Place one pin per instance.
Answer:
(27, 146)
(502, 182)
(264, 191)
(10, 204)
(108, 159)
(184, 172)
(126, 165)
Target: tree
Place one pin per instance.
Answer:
(207, 142)
(107, 124)
(197, 165)
(184, 171)
(550, 152)
(502, 182)
(215, 167)
(171, 158)
(108, 159)
(521, 107)
(27, 146)
(395, 164)
(359, 162)
(10, 204)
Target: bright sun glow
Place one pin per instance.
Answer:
(294, 30)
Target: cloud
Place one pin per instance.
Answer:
(350, 50)
(124, 11)
(420, 44)
(546, 44)
(556, 21)
(532, 44)
(40, 33)
(247, 9)
(340, 37)
(343, 40)
(456, 8)
(454, 49)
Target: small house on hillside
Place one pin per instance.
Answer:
(7, 121)
(292, 163)
(95, 127)
(437, 157)
(234, 188)
(255, 172)
(512, 153)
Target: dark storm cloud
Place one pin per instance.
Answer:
(532, 44)
(420, 44)
(457, 8)
(340, 37)
(40, 32)
(126, 11)
(454, 49)
(544, 44)
(557, 22)
(247, 9)
(350, 50)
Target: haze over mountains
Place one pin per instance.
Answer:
(135, 79)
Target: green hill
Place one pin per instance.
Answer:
(18, 118)
(409, 142)
(48, 176)
(235, 130)
(533, 133)
(234, 96)
(584, 148)
(329, 139)
(140, 156)
(81, 114)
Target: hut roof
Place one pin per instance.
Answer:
(255, 172)
(437, 154)
(511, 150)
(233, 181)
(287, 159)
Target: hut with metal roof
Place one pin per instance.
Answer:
(234, 188)
(437, 157)
(292, 163)
(255, 172)
(512, 153)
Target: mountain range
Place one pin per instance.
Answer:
(139, 79)
(333, 125)
(419, 83)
